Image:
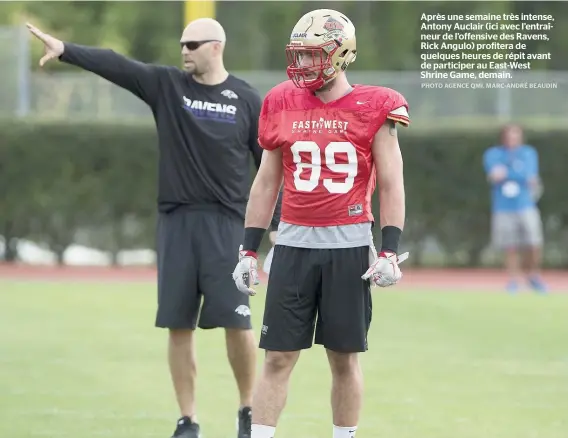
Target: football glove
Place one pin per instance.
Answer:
(384, 270)
(245, 274)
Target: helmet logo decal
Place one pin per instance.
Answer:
(332, 24)
(328, 48)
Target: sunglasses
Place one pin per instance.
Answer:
(194, 45)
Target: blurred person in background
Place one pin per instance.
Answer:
(331, 143)
(513, 171)
(207, 121)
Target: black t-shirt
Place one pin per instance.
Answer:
(206, 132)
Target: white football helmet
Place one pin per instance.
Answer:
(321, 46)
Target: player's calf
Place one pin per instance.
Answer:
(271, 392)
(346, 392)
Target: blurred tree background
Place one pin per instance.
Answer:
(388, 33)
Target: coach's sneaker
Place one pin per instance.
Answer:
(244, 422)
(186, 429)
(537, 284)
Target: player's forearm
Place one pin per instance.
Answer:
(262, 199)
(392, 205)
(261, 205)
(260, 208)
(392, 212)
(277, 211)
(257, 155)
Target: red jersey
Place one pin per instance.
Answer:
(329, 173)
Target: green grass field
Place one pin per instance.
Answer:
(83, 360)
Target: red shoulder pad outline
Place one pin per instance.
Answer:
(397, 109)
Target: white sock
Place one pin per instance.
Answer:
(344, 432)
(262, 431)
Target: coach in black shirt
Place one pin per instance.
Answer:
(207, 124)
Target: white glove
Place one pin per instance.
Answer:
(245, 274)
(384, 271)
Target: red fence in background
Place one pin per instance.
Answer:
(457, 280)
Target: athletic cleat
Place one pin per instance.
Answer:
(244, 423)
(512, 287)
(186, 429)
(537, 284)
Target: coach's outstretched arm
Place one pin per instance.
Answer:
(390, 178)
(134, 76)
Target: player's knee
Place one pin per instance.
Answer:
(343, 363)
(280, 362)
(181, 336)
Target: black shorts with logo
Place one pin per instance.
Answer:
(317, 289)
(198, 249)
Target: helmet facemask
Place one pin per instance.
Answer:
(311, 66)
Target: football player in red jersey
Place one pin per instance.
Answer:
(330, 142)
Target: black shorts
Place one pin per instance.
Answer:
(305, 283)
(197, 253)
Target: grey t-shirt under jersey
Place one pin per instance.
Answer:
(341, 236)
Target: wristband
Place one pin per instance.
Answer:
(253, 238)
(390, 237)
